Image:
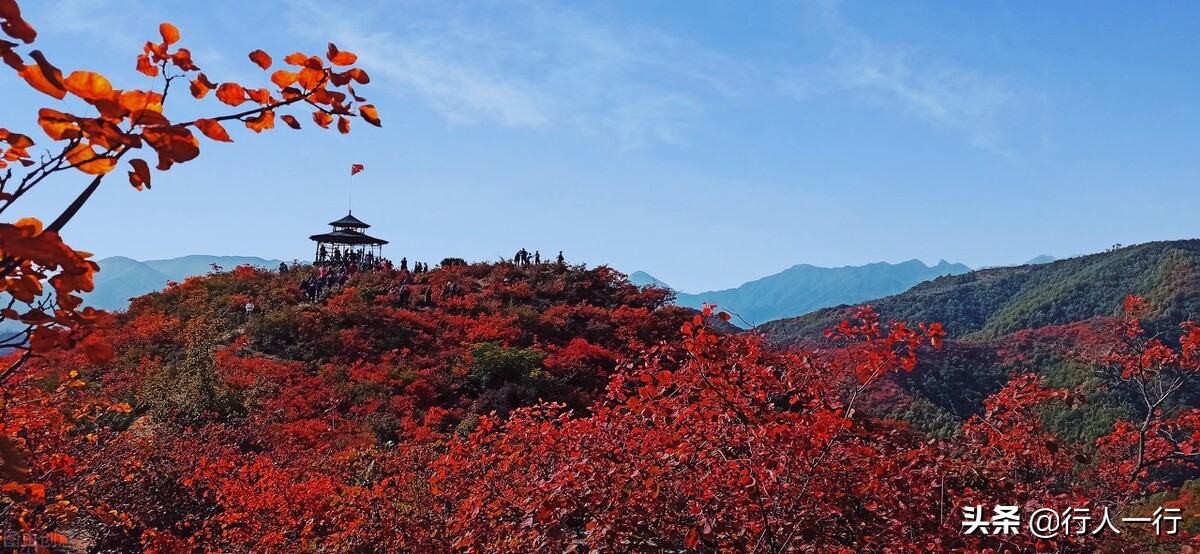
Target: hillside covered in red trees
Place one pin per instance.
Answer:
(558, 408)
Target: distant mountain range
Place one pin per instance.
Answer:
(995, 302)
(122, 278)
(804, 288)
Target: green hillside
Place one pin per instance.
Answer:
(994, 302)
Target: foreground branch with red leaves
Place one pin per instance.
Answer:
(127, 121)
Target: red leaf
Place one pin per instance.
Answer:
(213, 130)
(88, 85)
(337, 57)
(291, 121)
(170, 33)
(231, 93)
(261, 58)
(140, 176)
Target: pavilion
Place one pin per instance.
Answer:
(347, 243)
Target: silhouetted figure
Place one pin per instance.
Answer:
(404, 264)
(561, 260)
(537, 258)
(283, 268)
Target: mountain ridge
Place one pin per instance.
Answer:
(803, 288)
(122, 278)
(993, 302)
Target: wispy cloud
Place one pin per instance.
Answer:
(891, 76)
(533, 65)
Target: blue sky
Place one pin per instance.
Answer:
(707, 143)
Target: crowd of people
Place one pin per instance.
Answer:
(336, 268)
(524, 258)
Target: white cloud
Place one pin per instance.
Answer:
(971, 103)
(531, 65)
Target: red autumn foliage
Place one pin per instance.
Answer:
(529, 410)
(539, 409)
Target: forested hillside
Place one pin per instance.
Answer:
(544, 407)
(991, 303)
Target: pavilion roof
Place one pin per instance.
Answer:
(347, 236)
(349, 221)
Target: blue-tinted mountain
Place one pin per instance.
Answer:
(643, 279)
(995, 302)
(122, 278)
(805, 288)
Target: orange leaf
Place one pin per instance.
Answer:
(261, 58)
(357, 75)
(343, 125)
(201, 86)
(89, 85)
(262, 95)
(183, 60)
(264, 121)
(40, 81)
(231, 93)
(198, 89)
(146, 67)
(37, 494)
(148, 118)
(340, 58)
(170, 33)
(284, 78)
(174, 144)
(291, 121)
(137, 100)
(18, 141)
(88, 161)
(323, 119)
(311, 78)
(213, 130)
(296, 58)
(140, 176)
(58, 125)
(370, 115)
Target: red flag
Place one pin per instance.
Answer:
(354, 169)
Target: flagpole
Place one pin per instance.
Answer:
(354, 169)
